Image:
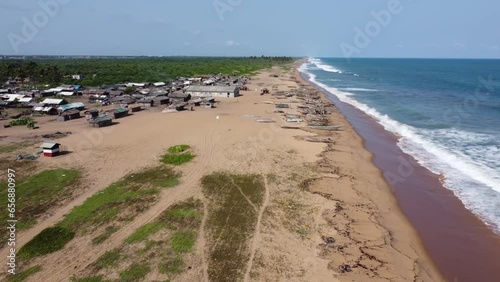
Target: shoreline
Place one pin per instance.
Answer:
(462, 247)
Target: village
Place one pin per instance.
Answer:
(101, 105)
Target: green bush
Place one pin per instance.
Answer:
(48, 241)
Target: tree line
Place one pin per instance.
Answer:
(97, 72)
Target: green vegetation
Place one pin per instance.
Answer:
(177, 159)
(97, 72)
(29, 122)
(183, 241)
(37, 193)
(233, 206)
(144, 232)
(11, 148)
(98, 278)
(130, 196)
(105, 235)
(23, 275)
(134, 192)
(135, 272)
(178, 149)
(177, 155)
(48, 241)
(172, 265)
(109, 259)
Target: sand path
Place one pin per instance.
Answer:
(257, 236)
(63, 271)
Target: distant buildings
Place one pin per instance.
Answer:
(213, 91)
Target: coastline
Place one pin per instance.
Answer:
(461, 245)
(388, 213)
(330, 213)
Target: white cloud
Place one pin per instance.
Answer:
(231, 43)
(459, 45)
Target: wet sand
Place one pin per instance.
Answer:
(461, 245)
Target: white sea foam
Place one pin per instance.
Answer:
(473, 179)
(358, 89)
(319, 64)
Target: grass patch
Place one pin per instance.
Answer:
(135, 272)
(48, 241)
(231, 221)
(172, 265)
(178, 149)
(98, 278)
(177, 159)
(11, 148)
(134, 192)
(105, 235)
(143, 232)
(183, 216)
(37, 193)
(183, 241)
(128, 197)
(23, 275)
(109, 259)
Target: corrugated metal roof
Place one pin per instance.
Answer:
(52, 101)
(225, 89)
(49, 145)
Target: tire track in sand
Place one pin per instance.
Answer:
(257, 236)
(61, 270)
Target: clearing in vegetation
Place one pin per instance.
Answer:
(234, 203)
(162, 246)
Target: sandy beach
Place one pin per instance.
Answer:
(328, 214)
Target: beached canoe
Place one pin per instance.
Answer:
(327, 127)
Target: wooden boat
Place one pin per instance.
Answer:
(319, 140)
(327, 127)
(266, 121)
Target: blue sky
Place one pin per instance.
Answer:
(421, 28)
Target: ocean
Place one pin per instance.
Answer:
(446, 113)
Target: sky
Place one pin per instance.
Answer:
(316, 28)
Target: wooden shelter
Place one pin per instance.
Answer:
(51, 149)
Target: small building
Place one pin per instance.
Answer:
(146, 103)
(69, 115)
(213, 91)
(51, 149)
(73, 106)
(54, 102)
(161, 100)
(90, 114)
(135, 108)
(117, 113)
(101, 121)
(78, 76)
(179, 97)
(159, 84)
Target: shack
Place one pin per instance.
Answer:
(101, 121)
(90, 114)
(51, 149)
(117, 113)
(146, 103)
(213, 91)
(69, 115)
(179, 97)
(135, 108)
